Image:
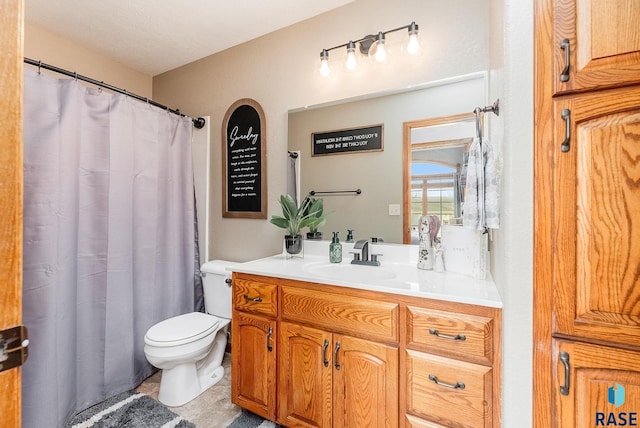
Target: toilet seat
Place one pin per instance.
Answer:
(181, 329)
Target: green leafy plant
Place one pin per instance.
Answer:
(319, 218)
(295, 218)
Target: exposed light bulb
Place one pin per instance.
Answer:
(324, 63)
(381, 52)
(351, 56)
(414, 44)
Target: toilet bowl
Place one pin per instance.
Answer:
(189, 348)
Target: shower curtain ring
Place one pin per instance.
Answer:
(75, 76)
(100, 87)
(39, 66)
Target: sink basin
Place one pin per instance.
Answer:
(349, 272)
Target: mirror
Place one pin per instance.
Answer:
(434, 170)
(378, 211)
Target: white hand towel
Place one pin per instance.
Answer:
(482, 199)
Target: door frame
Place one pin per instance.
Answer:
(11, 67)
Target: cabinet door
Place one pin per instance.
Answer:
(599, 41)
(304, 382)
(595, 386)
(596, 261)
(253, 364)
(365, 384)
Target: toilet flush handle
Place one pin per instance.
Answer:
(228, 281)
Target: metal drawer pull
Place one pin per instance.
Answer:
(457, 385)
(447, 336)
(324, 353)
(566, 115)
(335, 356)
(253, 299)
(564, 74)
(269, 333)
(564, 357)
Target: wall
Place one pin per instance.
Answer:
(512, 81)
(42, 45)
(279, 71)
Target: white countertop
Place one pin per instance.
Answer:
(397, 274)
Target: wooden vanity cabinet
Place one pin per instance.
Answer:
(357, 358)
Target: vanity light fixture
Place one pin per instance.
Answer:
(370, 45)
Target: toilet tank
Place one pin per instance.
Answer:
(217, 292)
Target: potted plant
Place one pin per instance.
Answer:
(294, 218)
(319, 218)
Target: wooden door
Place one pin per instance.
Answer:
(601, 40)
(253, 364)
(305, 373)
(596, 286)
(595, 386)
(11, 22)
(365, 384)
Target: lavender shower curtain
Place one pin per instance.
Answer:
(108, 241)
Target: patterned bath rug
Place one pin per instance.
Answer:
(130, 410)
(250, 420)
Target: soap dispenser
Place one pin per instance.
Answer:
(335, 249)
(349, 235)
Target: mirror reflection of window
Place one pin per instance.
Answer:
(436, 153)
(437, 188)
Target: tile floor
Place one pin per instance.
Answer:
(212, 409)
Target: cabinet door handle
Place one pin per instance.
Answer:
(564, 357)
(335, 356)
(269, 333)
(457, 385)
(566, 115)
(564, 74)
(253, 299)
(447, 336)
(324, 353)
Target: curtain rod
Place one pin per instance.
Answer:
(198, 123)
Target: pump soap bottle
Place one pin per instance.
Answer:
(335, 249)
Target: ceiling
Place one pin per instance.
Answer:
(157, 36)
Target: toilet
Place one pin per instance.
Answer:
(189, 348)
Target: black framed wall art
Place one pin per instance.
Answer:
(244, 163)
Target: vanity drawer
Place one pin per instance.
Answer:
(413, 422)
(447, 402)
(448, 333)
(341, 313)
(254, 296)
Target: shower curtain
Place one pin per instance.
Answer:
(108, 241)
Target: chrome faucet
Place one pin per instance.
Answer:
(361, 254)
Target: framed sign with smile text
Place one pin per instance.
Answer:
(244, 165)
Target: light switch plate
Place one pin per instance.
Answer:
(394, 209)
